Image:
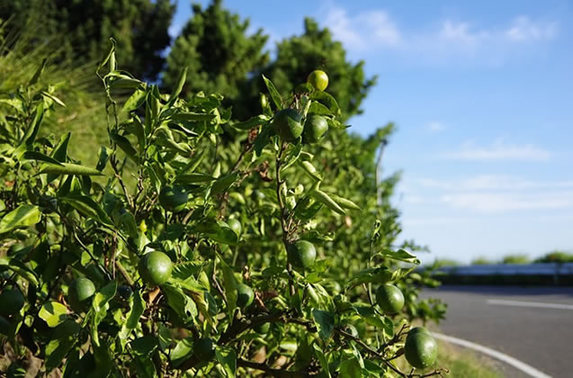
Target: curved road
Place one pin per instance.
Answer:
(534, 325)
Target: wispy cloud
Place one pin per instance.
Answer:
(503, 202)
(435, 127)
(490, 193)
(524, 29)
(499, 150)
(363, 30)
(492, 182)
(368, 31)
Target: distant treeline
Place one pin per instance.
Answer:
(550, 257)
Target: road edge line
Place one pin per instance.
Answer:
(519, 365)
(504, 302)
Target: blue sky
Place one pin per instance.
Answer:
(482, 95)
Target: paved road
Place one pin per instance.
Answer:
(534, 325)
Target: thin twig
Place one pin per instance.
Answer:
(267, 369)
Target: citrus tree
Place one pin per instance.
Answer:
(187, 253)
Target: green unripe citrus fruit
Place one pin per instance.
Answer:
(421, 349)
(263, 328)
(173, 198)
(80, 292)
(11, 302)
(245, 295)
(155, 268)
(235, 225)
(318, 79)
(204, 350)
(390, 298)
(288, 125)
(314, 128)
(302, 254)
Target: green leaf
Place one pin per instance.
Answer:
(194, 178)
(192, 116)
(125, 145)
(87, 207)
(35, 155)
(250, 123)
(230, 283)
(399, 255)
(101, 299)
(275, 95)
(325, 323)
(223, 183)
(137, 307)
(350, 368)
(327, 100)
(322, 359)
(179, 87)
(373, 275)
(63, 339)
(329, 202)
(53, 313)
(23, 216)
(227, 357)
(69, 169)
(310, 170)
(135, 100)
(318, 108)
(38, 72)
(179, 302)
(182, 351)
(217, 231)
(345, 203)
(104, 154)
(144, 346)
(20, 269)
(60, 152)
(53, 98)
(263, 138)
(32, 131)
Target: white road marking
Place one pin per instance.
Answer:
(522, 366)
(503, 302)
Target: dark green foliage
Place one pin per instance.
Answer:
(218, 53)
(83, 28)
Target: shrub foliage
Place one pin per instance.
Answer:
(197, 245)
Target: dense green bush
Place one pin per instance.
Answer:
(184, 251)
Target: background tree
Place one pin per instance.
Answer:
(218, 52)
(83, 28)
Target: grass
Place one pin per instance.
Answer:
(459, 362)
(77, 86)
(464, 363)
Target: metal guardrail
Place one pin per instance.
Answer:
(541, 269)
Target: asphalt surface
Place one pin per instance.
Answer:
(533, 325)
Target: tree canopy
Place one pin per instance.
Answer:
(219, 53)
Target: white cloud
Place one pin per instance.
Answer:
(435, 127)
(368, 31)
(364, 30)
(499, 150)
(503, 202)
(492, 182)
(490, 193)
(524, 29)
